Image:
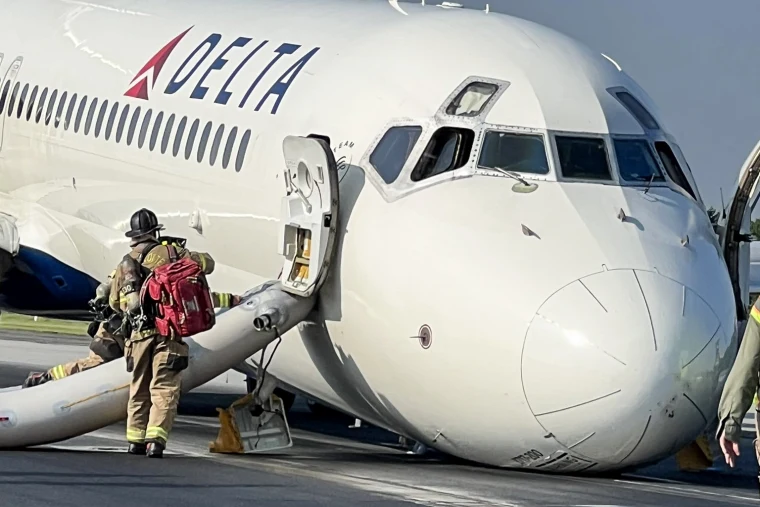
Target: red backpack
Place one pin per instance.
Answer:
(180, 296)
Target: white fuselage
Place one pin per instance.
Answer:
(584, 325)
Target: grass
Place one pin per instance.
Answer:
(16, 322)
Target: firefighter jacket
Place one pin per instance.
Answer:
(742, 383)
(128, 278)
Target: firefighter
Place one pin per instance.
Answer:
(155, 361)
(107, 341)
(740, 390)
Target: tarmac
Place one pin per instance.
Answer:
(329, 464)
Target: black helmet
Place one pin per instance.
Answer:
(143, 222)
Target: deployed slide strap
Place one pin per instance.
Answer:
(241, 432)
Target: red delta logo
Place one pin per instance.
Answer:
(148, 75)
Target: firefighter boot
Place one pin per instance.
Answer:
(155, 450)
(35, 379)
(139, 449)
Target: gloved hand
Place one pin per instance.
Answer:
(236, 300)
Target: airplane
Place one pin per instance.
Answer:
(511, 258)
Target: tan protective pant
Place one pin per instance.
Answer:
(64, 370)
(156, 364)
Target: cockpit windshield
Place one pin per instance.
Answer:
(522, 153)
(583, 158)
(636, 161)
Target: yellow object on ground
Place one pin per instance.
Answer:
(241, 432)
(696, 456)
(228, 440)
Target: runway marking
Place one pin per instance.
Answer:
(679, 490)
(438, 497)
(428, 496)
(97, 448)
(657, 479)
(422, 495)
(179, 448)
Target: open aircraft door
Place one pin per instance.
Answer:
(735, 235)
(309, 214)
(7, 90)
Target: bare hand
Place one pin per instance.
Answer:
(235, 301)
(730, 450)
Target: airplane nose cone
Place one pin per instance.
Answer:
(621, 366)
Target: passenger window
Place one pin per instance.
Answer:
(638, 110)
(242, 150)
(156, 131)
(90, 116)
(191, 139)
(32, 99)
(178, 136)
(12, 102)
(391, 152)
(514, 152)
(228, 148)
(4, 96)
(636, 161)
(472, 99)
(80, 114)
(101, 118)
(204, 141)
(121, 127)
(41, 106)
(22, 101)
(51, 106)
(672, 167)
(583, 158)
(70, 112)
(59, 111)
(133, 126)
(448, 149)
(167, 134)
(216, 145)
(144, 129)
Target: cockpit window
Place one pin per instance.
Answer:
(514, 152)
(448, 149)
(472, 99)
(638, 110)
(672, 167)
(636, 161)
(583, 158)
(391, 152)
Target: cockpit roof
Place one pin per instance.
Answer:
(556, 83)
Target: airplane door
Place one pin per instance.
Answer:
(309, 214)
(736, 233)
(9, 80)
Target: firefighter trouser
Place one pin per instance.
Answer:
(64, 370)
(156, 364)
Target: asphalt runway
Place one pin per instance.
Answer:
(329, 464)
